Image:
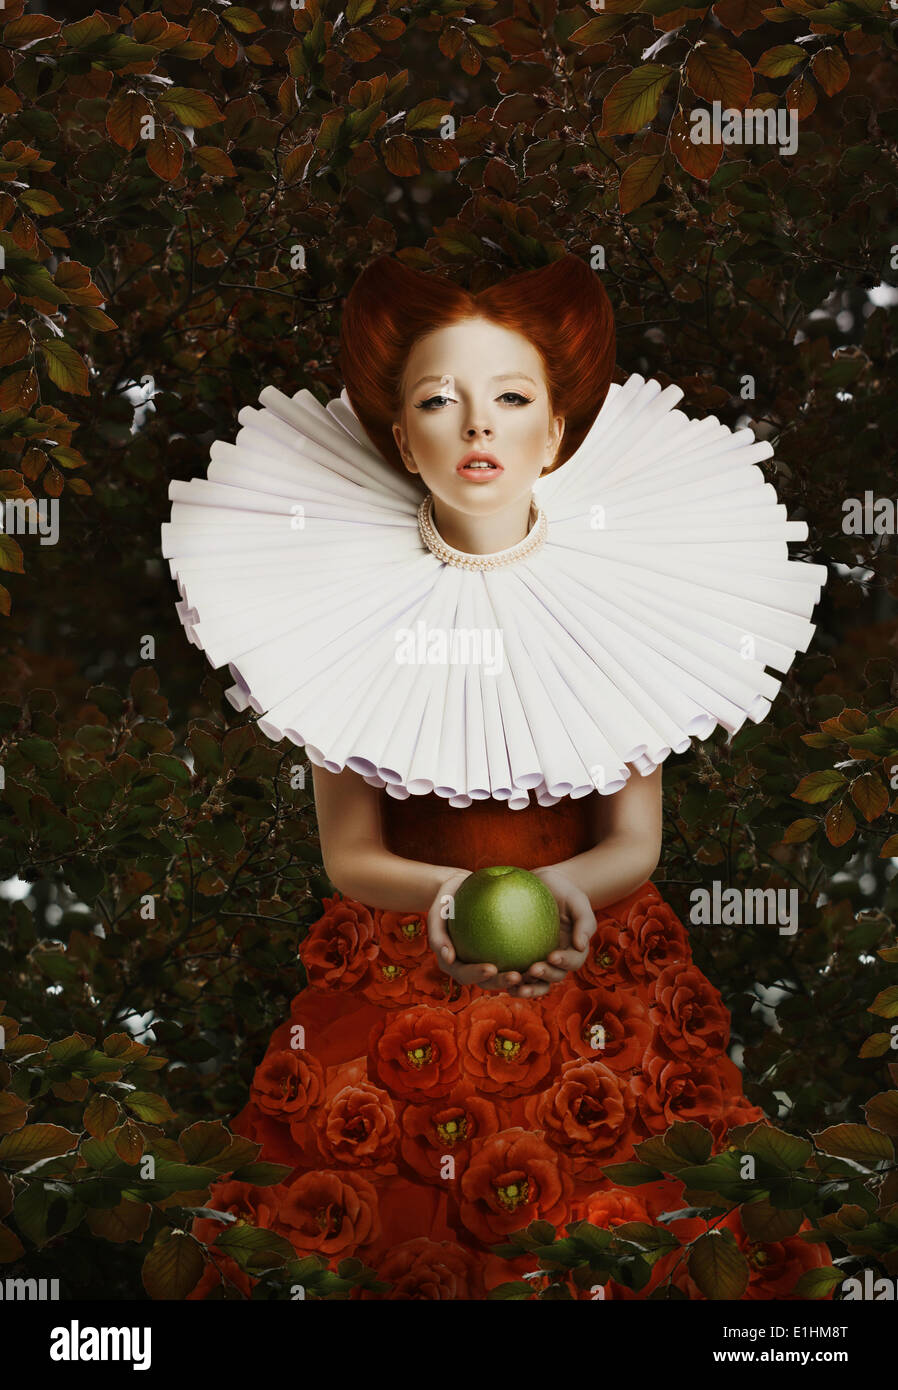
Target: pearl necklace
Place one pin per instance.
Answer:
(434, 542)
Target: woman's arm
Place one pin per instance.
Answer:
(359, 866)
(352, 848)
(627, 828)
(627, 831)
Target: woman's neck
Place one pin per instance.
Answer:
(483, 535)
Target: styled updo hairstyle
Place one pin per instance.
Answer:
(561, 308)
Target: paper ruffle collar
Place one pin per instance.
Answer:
(648, 617)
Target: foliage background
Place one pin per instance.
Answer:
(174, 258)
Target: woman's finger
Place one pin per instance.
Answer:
(567, 960)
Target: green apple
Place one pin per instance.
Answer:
(504, 916)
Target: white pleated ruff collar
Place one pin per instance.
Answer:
(656, 590)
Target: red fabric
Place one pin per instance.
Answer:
(424, 1123)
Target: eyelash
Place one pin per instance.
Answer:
(429, 403)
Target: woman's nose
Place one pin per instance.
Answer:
(482, 428)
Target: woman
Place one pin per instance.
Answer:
(430, 1107)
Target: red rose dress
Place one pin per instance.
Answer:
(425, 1122)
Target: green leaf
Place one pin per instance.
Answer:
(718, 1267)
(66, 368)
(262, 1174)
(631, 1174)
(149, 1106)
(857, 1142)
(817, 1283)
(819, 786)
(633, 101)
(784, 1150)
(191, 106)
(516, 1291)
(173, 1266)
(252, 1248)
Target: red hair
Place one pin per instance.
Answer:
(562, 308)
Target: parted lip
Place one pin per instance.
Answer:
(477, 454)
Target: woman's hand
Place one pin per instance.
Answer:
(578, 923)
(485, 975)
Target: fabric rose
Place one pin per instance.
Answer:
(606, 962)
(603, 1025)
(513, 1178)
(415, 1053)
(667, 1091)
(450, 1126)
(439, 1271)
(287, 1084)
(402, 937)
(587, 1114)
(689, 1015)
(653, 938)
(431, 983)
(358, 1127)
(613, 1207)
(389, 984)
(340, 946)
(508, 1046)
(328, 1213)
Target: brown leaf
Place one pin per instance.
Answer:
(801, 96)
(124, 117)
(719, 73)
(128, 1221)
(173, 1266)
(15, 341)
(165, 155)
(840, 824)
(401, 157)
(830, 67)
(739, 15)
(640, 181)
(700, 161)
(869, 796)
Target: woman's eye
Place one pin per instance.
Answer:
(516, 398)
(433, 402)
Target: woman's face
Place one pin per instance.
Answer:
(475, 418)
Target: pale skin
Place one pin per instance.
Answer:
(476, 385)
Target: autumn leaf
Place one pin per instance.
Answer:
(173, 1266)
(801, 96)
(15, 341)
(718, 1267)
(869, 796)
(819, 786)
(65, 367)
(192, 107)
(740, 15)
(640, 181)
(699, 160)
(633, 101)
(165, 155)
(799, 831)
(839, 824)
(779, 61)
(124, 117)
(719, 73)
(243, 20)
(214, 160)
(400, 156)
(830, 67)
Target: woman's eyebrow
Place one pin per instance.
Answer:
(506, 376)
